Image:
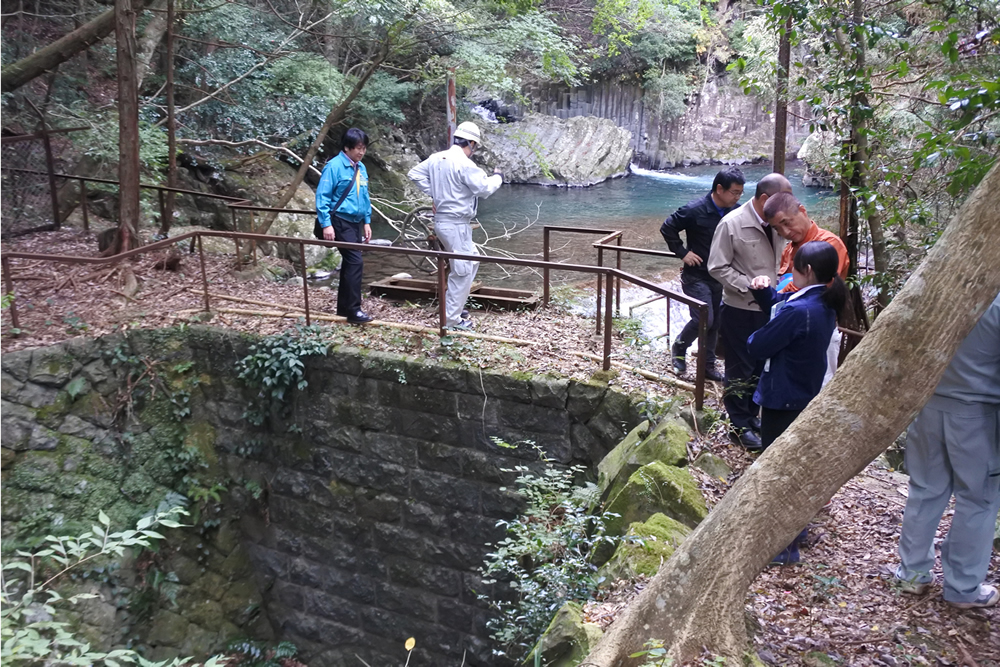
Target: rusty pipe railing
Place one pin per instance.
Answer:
(197, 236)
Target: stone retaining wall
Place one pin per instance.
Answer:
(379, 489)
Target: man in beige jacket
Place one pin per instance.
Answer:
(744, 246)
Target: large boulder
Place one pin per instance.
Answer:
(818, 153)
(666, 443)
(546, 150)
(647, 545)
(568, 639)
(657, 487)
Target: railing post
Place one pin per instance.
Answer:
(600, 276)
(305, 280)
(51, 169)
(236, 241)
(83, 205)
(163, 207)
(545, 271)
(204, 276)
(442, 289)
(253, 243)
(9, 287)
(618, 281)
(609, 283)
(699, 376)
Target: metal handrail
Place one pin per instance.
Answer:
(605, 243)
(440, 256)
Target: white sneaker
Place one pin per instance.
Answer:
(988, 597)
(463, 325)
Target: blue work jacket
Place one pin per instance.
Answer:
(338, 173)
(794, 343)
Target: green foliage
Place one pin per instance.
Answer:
(274, 367)
(619, 20)
(528, 45)
(545, 557)
(100, 142)
(250, 653)
(667, 93)
(31, 627)
(654, 655)
(306, 74)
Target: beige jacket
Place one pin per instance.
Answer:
(740, 252)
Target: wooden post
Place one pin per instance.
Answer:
(781, 103)
(168, 217)
(51, 169)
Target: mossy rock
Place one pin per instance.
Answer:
(711, 464)
(646, 546)
(567, 640)
(657, 487)
(667, 443)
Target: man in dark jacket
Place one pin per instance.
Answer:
(698, 219)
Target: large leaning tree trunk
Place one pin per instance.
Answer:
(48, 58)
(697, 598)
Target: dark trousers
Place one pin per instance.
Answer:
(351, 269)
(742, 371)
(774, 422)
(707, 289)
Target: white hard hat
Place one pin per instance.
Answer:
(468, 131)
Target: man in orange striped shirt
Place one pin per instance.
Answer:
(789, 218)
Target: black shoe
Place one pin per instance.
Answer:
(680, 363)
(359, 317)
(747, 439)
(755, 425)
(712, 374)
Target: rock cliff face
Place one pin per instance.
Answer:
(546, 150)
(721, 124)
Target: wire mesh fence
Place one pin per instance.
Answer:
(26, 203)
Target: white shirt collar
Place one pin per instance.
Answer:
(796, 295)
(760, 220)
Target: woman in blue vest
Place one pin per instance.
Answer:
(794, 344)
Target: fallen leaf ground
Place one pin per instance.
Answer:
(837, 607)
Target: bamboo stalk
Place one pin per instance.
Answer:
(339, 319)
(666, 379)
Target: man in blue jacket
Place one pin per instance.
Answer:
(698, 220)
(345, 180)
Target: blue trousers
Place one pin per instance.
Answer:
(952, 448)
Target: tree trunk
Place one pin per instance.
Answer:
(128, 130)
(697, 598)
(336, 116)
(150, 40)
(17, 74)
(781, 103)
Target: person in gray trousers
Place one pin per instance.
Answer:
(953, 448)
(455, 183)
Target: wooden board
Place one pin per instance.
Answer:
(411, 289)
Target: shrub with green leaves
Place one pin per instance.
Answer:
(545, 557)
(31, 629)
(274, 366)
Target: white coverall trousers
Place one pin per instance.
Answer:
(457, 237)
(952, 448)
